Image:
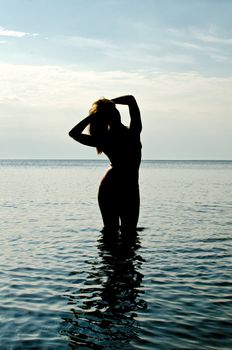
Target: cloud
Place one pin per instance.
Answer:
(180, 95)
(215, 53)
(80, 41)
(210, 38)
(16, 34)
(197, 36)
(12, 33)
(75, 41)
(46, 101)
(69, 86)
(210, 42)
(134, 56)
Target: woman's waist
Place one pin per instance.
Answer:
(124, 174)
(126, 164)
(125, 169)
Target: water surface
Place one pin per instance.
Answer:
(65, 286)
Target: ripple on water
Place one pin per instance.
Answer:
(65, 286)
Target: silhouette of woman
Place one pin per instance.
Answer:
(118, 195)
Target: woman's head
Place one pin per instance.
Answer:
(101, 105)
(105, 117)
(106, 111)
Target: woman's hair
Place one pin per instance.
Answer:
(101, 106)
(101, 122)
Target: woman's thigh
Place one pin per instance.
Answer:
(108, 200)
(129, 207)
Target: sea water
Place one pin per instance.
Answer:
(64, 286)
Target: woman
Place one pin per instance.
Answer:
(118, 195)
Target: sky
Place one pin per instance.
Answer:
(58, 56)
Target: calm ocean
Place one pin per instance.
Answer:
(63, 287)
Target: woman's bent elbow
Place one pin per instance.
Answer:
(71, 134)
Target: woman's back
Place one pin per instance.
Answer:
(123, 148)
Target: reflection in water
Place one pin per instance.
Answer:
(104, 310)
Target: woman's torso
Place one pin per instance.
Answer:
(123, 148)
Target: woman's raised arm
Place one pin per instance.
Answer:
(76, 133)
(135, 124)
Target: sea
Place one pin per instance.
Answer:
(63, 285)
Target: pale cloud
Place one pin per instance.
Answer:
(195, 46)
(12, 33)
(186, 45)
(210, 35)
(151, 58)
(220, 58)
(43, 103)
(213, 39)
(81, 41)
(58, 85)
(215, 53)
(67, 87)
(210, 41)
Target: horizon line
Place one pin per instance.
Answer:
(106, 160)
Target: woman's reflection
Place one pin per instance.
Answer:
(103, 314)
